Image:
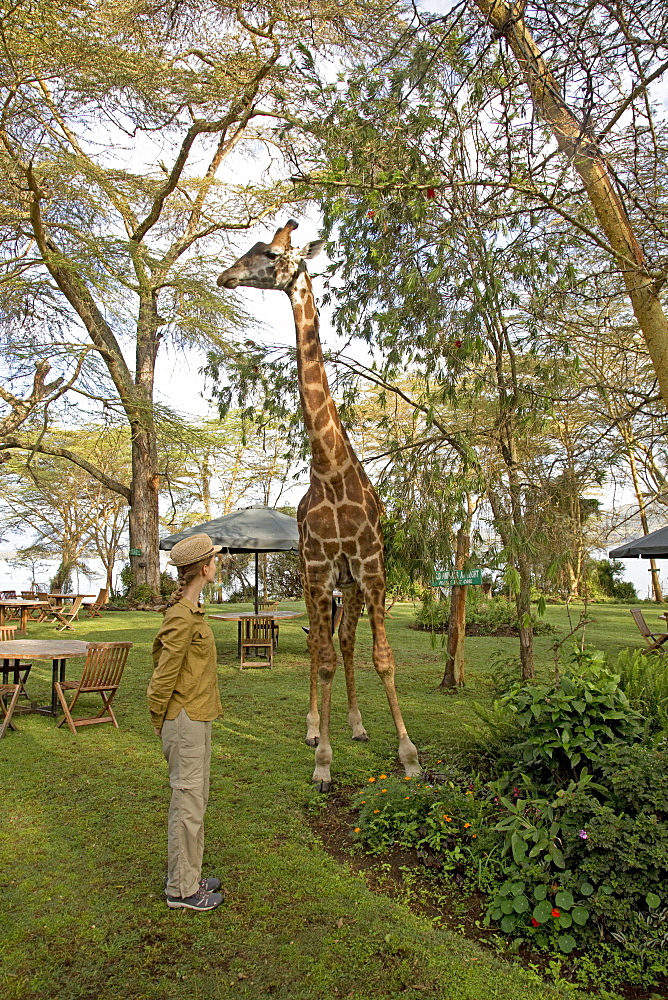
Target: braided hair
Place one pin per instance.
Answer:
(186, 574)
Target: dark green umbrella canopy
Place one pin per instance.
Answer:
(652, 546)
(255, 529)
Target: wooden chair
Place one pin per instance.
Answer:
(102, 672)
(66, 615)
(46, 611)
(654, 640)
(28, 595)
(7, 710)
(257, 635)
(93, 607)
(11, 614)
(270, 606)
(19, 670)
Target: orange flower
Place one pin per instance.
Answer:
(363, 802)
(474, 834)
(448, 819)
(466, 826)
(383, 777)
(407, 778)
(376, 810)
(407, 796)
(357, 829)
(372, 779)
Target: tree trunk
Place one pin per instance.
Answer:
(523, 605)
(453, 675)
(144, 521)
(582, 150)
(654, 570)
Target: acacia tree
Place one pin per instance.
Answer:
(116, 123)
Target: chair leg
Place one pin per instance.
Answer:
(67, 714)
(8, 710)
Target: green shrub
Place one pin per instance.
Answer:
(487, 616)
(562, 726)
(571, 821)
(644, 679)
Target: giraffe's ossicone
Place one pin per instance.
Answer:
(340, 538)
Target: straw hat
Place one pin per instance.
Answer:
(193, 549)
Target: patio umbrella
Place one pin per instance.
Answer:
(652, 546)
(254, 529)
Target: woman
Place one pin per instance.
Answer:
(183, 700)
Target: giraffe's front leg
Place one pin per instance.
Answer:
(323, 654)
(312, 717)
(384, 663)
(353, 600)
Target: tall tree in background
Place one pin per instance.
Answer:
(116, 121)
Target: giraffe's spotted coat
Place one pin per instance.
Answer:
(341, 542)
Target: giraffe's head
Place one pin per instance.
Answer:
(271, 265)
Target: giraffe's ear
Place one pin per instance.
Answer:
(312, 249)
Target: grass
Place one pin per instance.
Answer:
(83, 837)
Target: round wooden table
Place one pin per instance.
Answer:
(59, 651)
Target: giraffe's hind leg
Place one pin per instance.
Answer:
(383, 660)
(353, 600)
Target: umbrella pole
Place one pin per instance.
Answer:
(256, 581)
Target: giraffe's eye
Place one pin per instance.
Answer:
(272, 254)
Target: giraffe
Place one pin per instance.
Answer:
(340, 539)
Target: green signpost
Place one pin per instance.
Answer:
(457, 578)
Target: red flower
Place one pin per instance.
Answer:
(458, 343)
(370, 214)
(534, 922)
(431, 193)
(556, 912)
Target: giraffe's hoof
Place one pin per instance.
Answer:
(322, 786)
(312, 741)
(362, 738)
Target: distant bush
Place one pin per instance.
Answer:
(487, 616)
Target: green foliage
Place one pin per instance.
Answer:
(644, 680)
(565, 725)
(607, 574)
(488, 616)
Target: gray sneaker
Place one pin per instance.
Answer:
(212, 884)
(200, 900)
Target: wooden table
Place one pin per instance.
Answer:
(240, 616)
(61, 598)
(59, 651)
(24, 607)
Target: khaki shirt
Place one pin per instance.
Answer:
(184, 667)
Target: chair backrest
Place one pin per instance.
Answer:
(28, 595)
(105, 662)
(640, 621)
(257, 628)
(8, 595)
(101, 598)
(7, 633)
(72, 611)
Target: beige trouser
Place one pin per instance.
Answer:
(187, 749)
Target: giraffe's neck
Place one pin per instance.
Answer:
(331, 451)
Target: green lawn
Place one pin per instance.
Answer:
(83, 838)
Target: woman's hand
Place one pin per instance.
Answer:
(158, 732)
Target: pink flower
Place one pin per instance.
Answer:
(583, 835)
